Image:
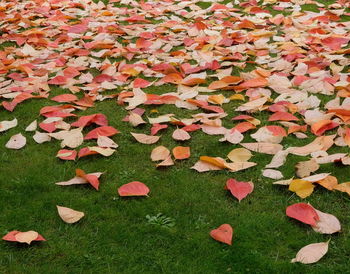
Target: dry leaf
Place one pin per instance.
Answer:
(327, 223)
(6, 125)
(167, 162)
(278, 159)
(145, 139)
(304, 169)
(41, 137)
(202, 166)
(69, 215)
(135, 119)
(330, 182)
(72, 138)
(180, 135)
(311, 253)
(16, 142)
(160, 153)
(344, 187)
(273, 174)
(32, 126)
(104, 141)
(266, 148)
(239, 155)
(26, 237)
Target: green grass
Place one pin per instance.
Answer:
(116, 237)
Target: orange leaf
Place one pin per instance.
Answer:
(320, 127)
(101, 131)
(181, 153)
(64, 98)
(254, 83)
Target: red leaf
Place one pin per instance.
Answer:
(322, 126)
(58, 80)
(50, 127)
(101, 131)
(303, 212)
(66, 154)
(239, 189)
(277, 130)
(92, 179)
(157, 127)
(133, 189)
(98, 119)
(85, 151)
(141, 83)
(64, 98)
(282, 116)
(223, 234)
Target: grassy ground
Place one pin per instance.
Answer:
(116, 237)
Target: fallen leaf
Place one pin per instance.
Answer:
(278, 159)
(101, 131)
(41, 137)
(133, 189)
(104, 151)
(222, 234)
(83, 178)
(160, 153)
(26, 237)
(304, 169)
(330, 182)
(145, 139)
(327, 223)
(181, 153)
(239, 155)
(344, 187)
(166, 162)
(16, 142)
(6, 125)
(272, 174)
(72, 138)
(304, 213)
(202, 166)
(240, 190)
(266, 148)
(68, 215)
(180, 135)
(106, 142)
(23, 237)
(135, 119)
(32, 126)
(311, 253)
(65, 154)
(301, 187)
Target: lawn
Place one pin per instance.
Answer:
(115, 236)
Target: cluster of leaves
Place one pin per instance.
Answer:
(241, 52)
